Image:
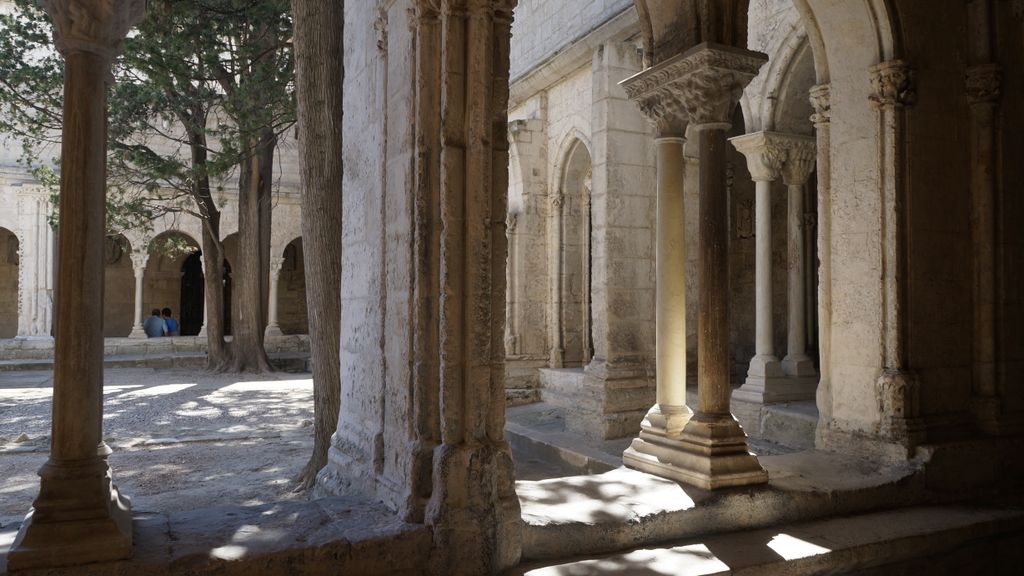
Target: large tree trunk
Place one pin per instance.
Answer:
(319, 74)
(213, 252)
(254, 186)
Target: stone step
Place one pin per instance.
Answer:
(537, 434)
(935, 540)
(790, 424)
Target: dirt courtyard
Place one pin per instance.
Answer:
(183, 439)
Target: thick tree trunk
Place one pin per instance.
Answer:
(319, 74)
(254, 185)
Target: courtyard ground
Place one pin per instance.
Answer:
(183, 439)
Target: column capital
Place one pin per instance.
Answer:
(984, 83)
(764, 152)
(801, 155)
(276, 264)
(892, 85)
(700, 86)
(95, 26)
(139, 261)
(821, 101)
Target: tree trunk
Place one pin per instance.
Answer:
(319, 74)
(254, 185)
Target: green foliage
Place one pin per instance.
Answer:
(196, 80)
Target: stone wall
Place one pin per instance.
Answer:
(291, 298)
(119, 289)
(8, 283)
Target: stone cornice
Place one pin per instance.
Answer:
(94, 26)
(700, 86)
(892, 85)
(773, 154)
(984, 83)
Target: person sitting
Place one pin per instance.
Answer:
(172, 324)
(155, 325)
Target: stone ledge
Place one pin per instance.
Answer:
(332, 535)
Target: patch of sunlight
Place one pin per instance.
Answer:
(793, 548)
(23, 394)
(7, 538)
(116, 388)
(208, 412)
(695, 560)
(265, 386)
(157, 390)
(229, 552)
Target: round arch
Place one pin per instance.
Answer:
(9, 268)
(292, 313)
(174, 279)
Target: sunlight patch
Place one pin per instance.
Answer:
(792, 548)
(157, 390)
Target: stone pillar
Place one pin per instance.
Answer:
(897, 387)
(511, 294)
(821, 100)
(139, 259)
(35, 267)
(202, 330)
(557, 351)
(765, 154)
(273, 329)
(797, 170)
(707, 449)
(79, 517)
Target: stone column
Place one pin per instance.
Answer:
(897, 387)
(821, 100)
(765, 153)
(273, 329)
(557, 351)
(79, 517)
(139, 260)
(797, 170)
(710, 449)
(512, 293)
(202, 330)
(35, 267)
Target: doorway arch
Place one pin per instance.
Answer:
(9, 268)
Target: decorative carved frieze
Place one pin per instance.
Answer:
(984, 83)
(821, 101)
(95, 26)
(701, 86)
(892, 85)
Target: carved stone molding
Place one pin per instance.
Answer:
(701, 86)
(771, 154)
(821, 101)
(984, 83)
(801, 154)
(892, 85)
(95, 26)
(557, 201)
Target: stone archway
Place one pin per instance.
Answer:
(287, 308)
(572, 258)
(9, 268)
(165, 286)
(119, 285)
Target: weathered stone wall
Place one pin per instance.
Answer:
(119, 290)
(291, 299)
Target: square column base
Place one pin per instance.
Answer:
(709, 453)
(773, 390)
(83, 537)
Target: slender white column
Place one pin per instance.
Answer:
(765, 154)
(557, 352)
(139, 260)
(35, 267)
(273, 329)
(79, 516)
(202, 330)
(796, 172)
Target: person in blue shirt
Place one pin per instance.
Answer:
(155, 326)
(172, 324)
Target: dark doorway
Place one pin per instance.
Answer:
(192, 295)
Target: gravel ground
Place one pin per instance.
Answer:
(182, 439)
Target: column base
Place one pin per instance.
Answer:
(138, 333)
(78, 518)
(202, 331)
(710, 452)
(800, 366)
(273, 331)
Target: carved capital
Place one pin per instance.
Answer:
(511, 222)
(801, 154)
(892, 85)
(95, 26)
(984, 83)
(276, 264)
(764, 153)
(821, 101)
(701, 86)
(139, 261)
(557, 201)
